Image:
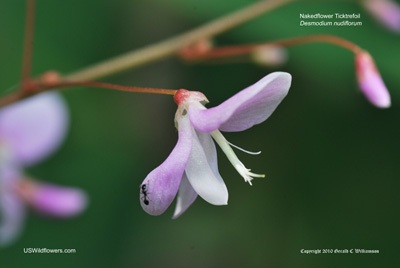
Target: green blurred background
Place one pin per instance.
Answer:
(331, 159)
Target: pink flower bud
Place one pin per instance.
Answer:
(370, 81)
(387, 12)
(270, 55)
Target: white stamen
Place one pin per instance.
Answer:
(243, 150)
(243, 171)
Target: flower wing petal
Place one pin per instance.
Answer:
(186, 197)
(247, 108)
(35, 127)
(202, 171)
(162, 183)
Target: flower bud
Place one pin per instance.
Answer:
(50, 78)
(270, 55)
(370, 81)
(195, 49)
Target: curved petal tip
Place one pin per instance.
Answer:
(160, 187)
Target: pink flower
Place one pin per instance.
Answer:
(30, 131)
(370, 81)
(192, 165)
(387, 12)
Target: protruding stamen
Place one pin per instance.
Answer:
(243, 150)
(238, 165)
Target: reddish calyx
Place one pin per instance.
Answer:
(181, 95)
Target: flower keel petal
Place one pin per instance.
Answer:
(162, 183)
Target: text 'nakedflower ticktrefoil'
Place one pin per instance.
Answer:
(192, 166)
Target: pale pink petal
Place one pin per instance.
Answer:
(35, 127)
(247, 108)
(162, 184)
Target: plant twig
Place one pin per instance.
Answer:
(36, 87)
(170, 46)
(163, 49)
(227, 51)
(28, 41)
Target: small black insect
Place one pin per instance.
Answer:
(143, 189)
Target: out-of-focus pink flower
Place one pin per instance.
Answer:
(370, 81)
(192, 165)
(387, 12)
(31, 130)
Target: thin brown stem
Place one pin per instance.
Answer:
(12, 97)
(36, 87)
(244, 49)
(118, 87)
(338, 41)
(28, 41)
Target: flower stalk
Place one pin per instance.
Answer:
(227, 51)
(28, 41)
(33, 87)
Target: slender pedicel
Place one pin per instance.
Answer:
(36, 87)
(250, 48)
(28, 41)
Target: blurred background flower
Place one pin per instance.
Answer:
(30, 131)
(386, 12)
(331, 158)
